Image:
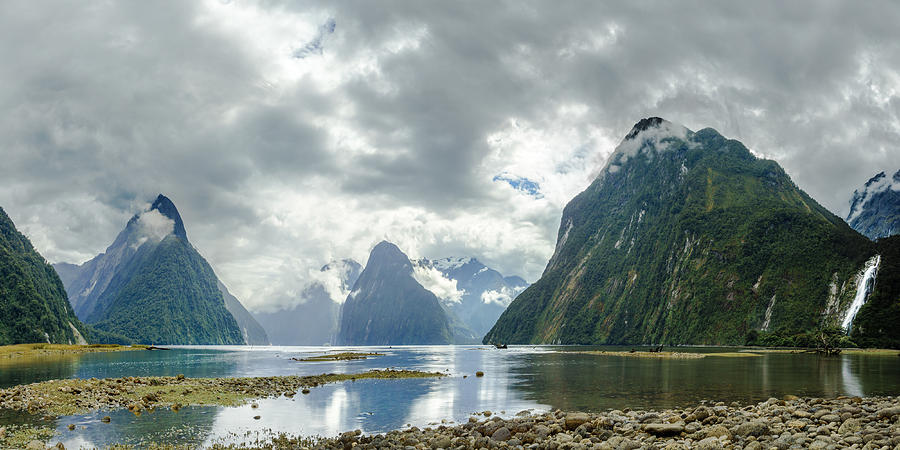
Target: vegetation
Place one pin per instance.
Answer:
(79, 396)
(21, 351)
(876, 325)
(389, 307)
(345, 356)
(697, 243)
(168, 295)
(33, 302)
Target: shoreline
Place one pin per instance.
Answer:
(818, 423)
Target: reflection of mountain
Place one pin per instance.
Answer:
(315, 320)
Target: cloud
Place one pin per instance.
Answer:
(503, 296)
(333, 278)
(439, 285)
(396, 124)
(152, 227)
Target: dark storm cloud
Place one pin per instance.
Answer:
(397, 126)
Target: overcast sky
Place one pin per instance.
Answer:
(292, 134)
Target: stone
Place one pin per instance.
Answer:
(888, 413)
(850, 426)
(752, 428)
(563, 438)
(502, 434)
(709, 443)
(440, 442)
(717, 431)
(663, 429)
(35, 445)
(106, 419)
(830, 418)
(573, 420)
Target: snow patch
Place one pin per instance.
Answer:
(878, 184)
(659, 137)
(448, 264)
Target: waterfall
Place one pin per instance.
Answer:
(864, 282)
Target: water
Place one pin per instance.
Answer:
(537, 378)
(864, 284)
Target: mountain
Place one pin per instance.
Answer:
(875, 208)
(152, 286)
(251, 330)
(315, 320)
(687, 238)
(33, 304)
(387, 306)
(876, 324)
(483, 293)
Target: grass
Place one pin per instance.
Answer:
(25, 352)
(345, 356)
(79, 396)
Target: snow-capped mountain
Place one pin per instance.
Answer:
(875, 207)
(472, 292)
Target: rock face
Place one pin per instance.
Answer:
(686, 237)
(875, 207)
(483, 293)
(251, 330)
(315, 320)
(152, 286)
(388, 306)
(33, 304)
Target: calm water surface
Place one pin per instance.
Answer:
(535, 378)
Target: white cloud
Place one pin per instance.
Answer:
(439, 285)
(503, 296)
(152, 227)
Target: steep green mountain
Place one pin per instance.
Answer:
(687, 237)
(152, 286)
(875, 208)
(33, 303)
(876, 325)
(387, 306)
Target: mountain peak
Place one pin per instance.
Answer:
(168, 209)
(643, 125)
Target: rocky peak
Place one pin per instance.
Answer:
(643, 125)
(168, 209)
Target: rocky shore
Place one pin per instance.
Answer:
(791, 422)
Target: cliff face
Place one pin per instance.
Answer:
(388, 306)
(687, 238)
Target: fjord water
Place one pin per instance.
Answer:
(537, 378)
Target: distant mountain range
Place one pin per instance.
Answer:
(152, 286)
(316, 318)
(875, 207)
(688, 238)
(33, 305)
(482, 293)
(388, 306)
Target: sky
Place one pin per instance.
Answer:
(291, 134)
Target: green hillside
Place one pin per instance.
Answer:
(687, 238)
